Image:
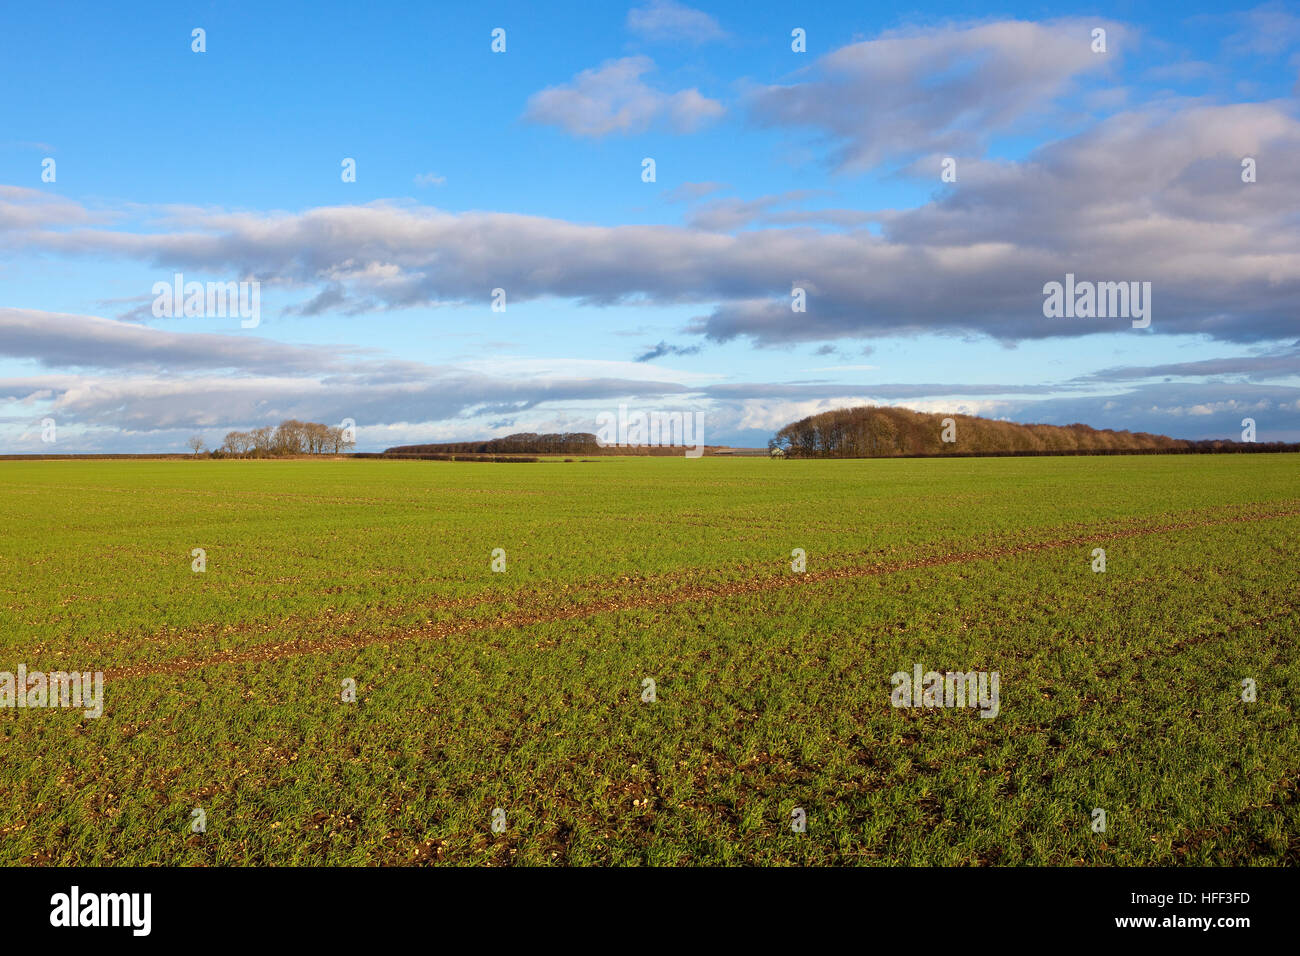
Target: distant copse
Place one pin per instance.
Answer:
(882, 432)
(290, 437)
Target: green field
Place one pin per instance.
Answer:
(522, 690)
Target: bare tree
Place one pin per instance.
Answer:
(263, 439)
(238, 443)
(196, 445)
(318, 437)
(289, 437)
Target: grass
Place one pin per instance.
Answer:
(521, 690)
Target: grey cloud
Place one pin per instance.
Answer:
(58, 340)
(946, 90)
(142, 403)
(884, 391)
(1183, 410)
(22, 208)
(1276, 363)
(144, 381)
(139, 379)
(1153, 195)
(332, 298)
(663, 348)
(723, 215)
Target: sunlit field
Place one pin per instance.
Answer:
(673, 662)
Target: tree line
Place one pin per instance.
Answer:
(876, 431)
(528, 443)
(290, 437)
(523, 443)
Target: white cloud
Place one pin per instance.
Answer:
(667, 20)
(614, 99)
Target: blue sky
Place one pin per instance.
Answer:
(522, 170)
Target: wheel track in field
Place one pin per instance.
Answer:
(660, 598)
